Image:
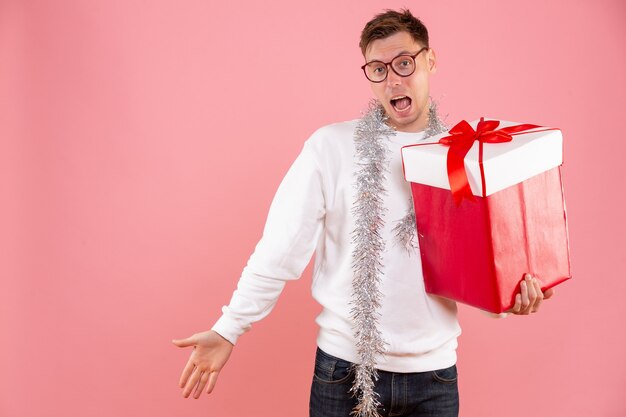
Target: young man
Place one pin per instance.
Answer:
(345, 198)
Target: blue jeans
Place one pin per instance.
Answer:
(432, 393)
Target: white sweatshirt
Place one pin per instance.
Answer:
(312, 211)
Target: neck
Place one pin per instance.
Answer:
(409, 129)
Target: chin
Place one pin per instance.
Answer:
(403, 122)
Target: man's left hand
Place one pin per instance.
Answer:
(530, 296)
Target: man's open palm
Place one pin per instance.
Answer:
(209, 355)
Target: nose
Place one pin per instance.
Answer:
(392, 77)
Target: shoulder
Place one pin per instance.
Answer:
(333, 136)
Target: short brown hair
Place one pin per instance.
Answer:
(391, 22)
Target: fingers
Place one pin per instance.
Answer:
(189, 367)
(190, 341)
(209, 354)
(200, 387)
(539, 295)
(197, 380)
(186, 372)
(532, 294)
(517, 306)
(193, 380)
(530, 297)
(212, 381)
(525, 298)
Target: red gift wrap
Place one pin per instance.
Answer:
(476, 249)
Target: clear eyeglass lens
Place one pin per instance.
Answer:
(376, 71)
(403, 65)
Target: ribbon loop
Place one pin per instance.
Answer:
(461, 140)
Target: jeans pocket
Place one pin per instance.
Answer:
(331, 370)
(446, 375)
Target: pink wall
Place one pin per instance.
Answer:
(141, 143)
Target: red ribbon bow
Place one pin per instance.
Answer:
(461, 140)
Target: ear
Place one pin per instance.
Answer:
(431, 59)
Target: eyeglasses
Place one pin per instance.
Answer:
(403, 65)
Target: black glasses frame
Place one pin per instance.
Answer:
(388, 65)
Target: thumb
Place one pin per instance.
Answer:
(548, 293)
(190, 341)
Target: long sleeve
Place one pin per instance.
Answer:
(495, 315)
(291, 232)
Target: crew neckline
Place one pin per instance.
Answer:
(407, 138)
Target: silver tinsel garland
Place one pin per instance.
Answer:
(369, 245)
(405, 228)
(368, 209)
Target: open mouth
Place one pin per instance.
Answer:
(400, 103)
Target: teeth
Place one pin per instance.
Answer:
(397, 97)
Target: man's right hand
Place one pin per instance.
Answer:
(209, 355)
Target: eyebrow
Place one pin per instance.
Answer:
(403, 52)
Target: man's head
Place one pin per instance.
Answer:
(404, 98)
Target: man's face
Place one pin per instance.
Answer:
(405, 99)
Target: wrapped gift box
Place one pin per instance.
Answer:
(489, 207)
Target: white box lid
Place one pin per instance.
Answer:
(505, 164)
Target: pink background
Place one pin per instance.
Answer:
(141, 145)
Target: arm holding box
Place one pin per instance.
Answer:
(527, 300)
(530, 298)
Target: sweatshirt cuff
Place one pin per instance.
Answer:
(495, 315)
(228, 328)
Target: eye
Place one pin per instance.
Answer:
(377, 68)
